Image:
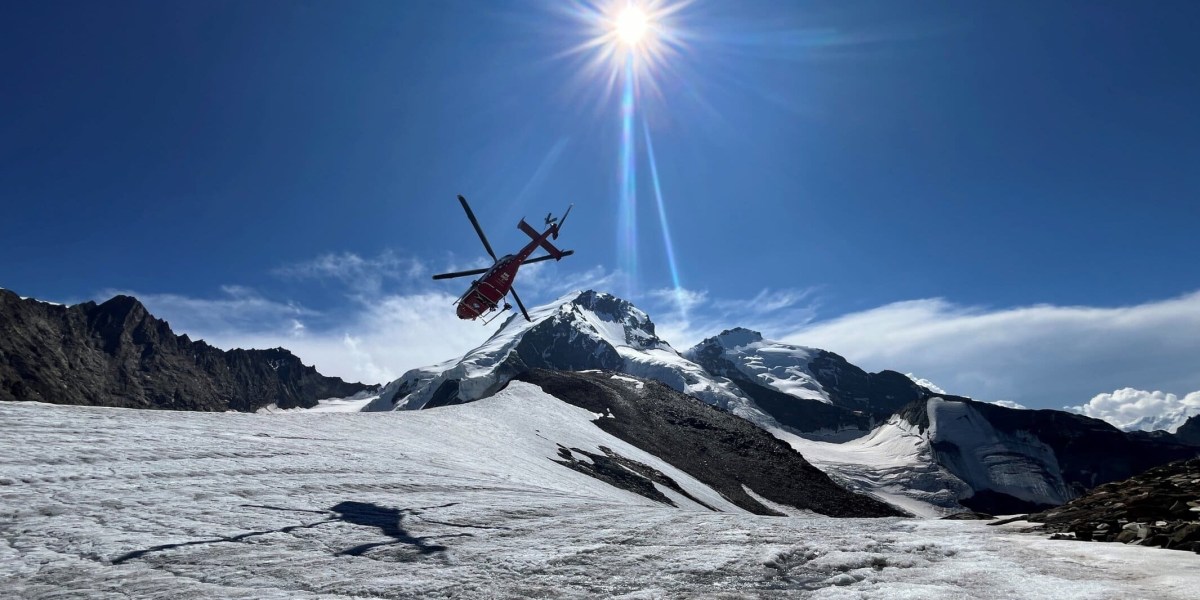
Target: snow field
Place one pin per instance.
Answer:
(460, 502)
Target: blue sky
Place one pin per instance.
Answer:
(285, 173)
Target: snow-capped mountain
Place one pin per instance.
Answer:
(808, 390)
(580, 331)
(1169, 421)
(805, 390)
(947, 452)
(782, 367)
(927, 453)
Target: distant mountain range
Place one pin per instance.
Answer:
(928, 453)
(118, 354)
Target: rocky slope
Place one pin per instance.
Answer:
(745, 464)
(1160, 507)
(117, 354)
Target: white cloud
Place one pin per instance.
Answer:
(682, 299)
(236, 307)
(1131, 409)
(767, 302)
(767, 311)
(372, 341)
(546, 281)
(1041, 356)
(364, 275)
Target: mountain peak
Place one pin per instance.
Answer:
(605, 303)
(738, 336)
(122, 306)
(583, 330)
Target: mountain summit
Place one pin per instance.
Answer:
(579, 331)
(808, 390)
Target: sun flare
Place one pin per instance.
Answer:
(632, 25)
(642, 36)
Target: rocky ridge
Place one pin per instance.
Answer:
(117, 354)
(1160, 507)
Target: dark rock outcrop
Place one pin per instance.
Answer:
(1160, 507)
(727, 453)
(118, 354)
(624, 473)
(1189, 432)
(876, 394)
(969, 515)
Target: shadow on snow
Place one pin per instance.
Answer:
(389, 522)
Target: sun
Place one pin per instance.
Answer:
(631, 25)
(627, 38)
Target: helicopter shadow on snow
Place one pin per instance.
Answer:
(389, 521)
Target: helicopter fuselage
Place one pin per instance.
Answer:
(486, 293)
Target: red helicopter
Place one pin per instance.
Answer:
(486, 292)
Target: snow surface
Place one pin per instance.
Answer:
(893, 463)
(637, 383)
(681, 374)
(353, 403)
(777, 365)
(461, 501)
(925, 383)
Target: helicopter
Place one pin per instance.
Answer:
(486, 293)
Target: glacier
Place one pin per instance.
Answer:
(461, 501)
